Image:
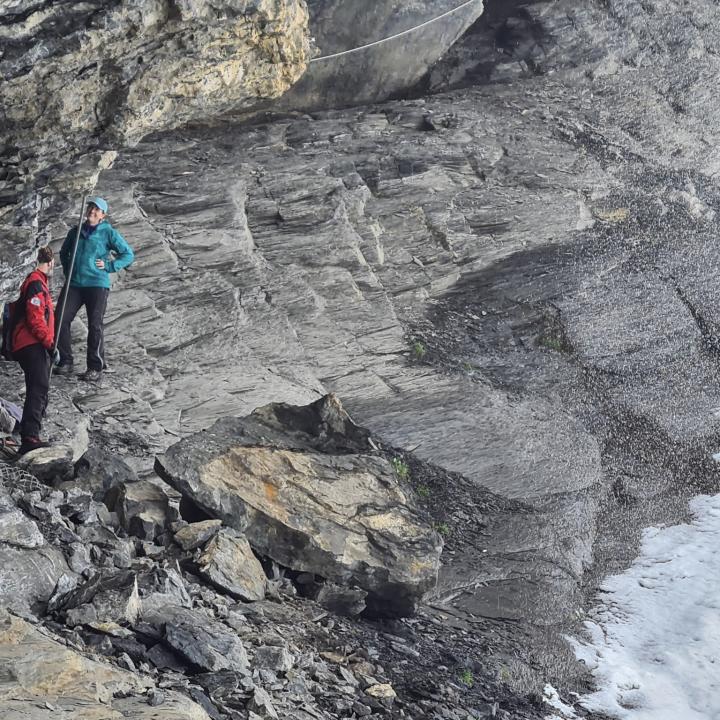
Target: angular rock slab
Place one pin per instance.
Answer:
(202, 641)
(29, 576)
(303, 486)
(44, 680)
(143, 508)
(228, 563)
(50, 465)
(18, 530)
(196, 534)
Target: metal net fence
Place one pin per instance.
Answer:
(13, 477)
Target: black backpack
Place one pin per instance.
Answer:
(12, 313)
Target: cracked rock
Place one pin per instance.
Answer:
(196, 534)
(303, 485)
(277, 659)
(261, 704)
(228, 563)
(203, 642)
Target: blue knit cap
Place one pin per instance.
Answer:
(99, 203)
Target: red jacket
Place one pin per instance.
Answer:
(37, 321)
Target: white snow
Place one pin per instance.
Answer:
(654, 639)
(551, 697)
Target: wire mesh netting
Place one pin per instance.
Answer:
(17, 478)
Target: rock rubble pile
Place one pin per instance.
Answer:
(152, 615)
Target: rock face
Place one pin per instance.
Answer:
(391, 46)
(305, 495)
(133, 629)
(97, 76)
(517, 280)
(81, 82)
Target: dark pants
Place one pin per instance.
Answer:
(95, 302)
(35, 362)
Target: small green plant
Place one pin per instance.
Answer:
(466, 678)
(443, 528)
(552, 342)
(401, 468)
(423, 491)
(419, 350)
(504, 674)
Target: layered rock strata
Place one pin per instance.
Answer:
(517, 281)
(46, 680)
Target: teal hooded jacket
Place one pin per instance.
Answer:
(95, 243)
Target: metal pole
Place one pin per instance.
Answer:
(66, 285)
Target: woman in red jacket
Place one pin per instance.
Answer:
(32, 344)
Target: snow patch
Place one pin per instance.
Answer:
(551, 697)
(653, 643)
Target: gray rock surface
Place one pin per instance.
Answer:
(197, 534)
(100, 471)
(405, 212)
(19, 531)
(53, 463)
(391, 46)
(112, 72)
(312, 498)
(277, 659)
(227, 562)
(144, 510)
(28, 577)
(201, 641)
(45, 679)
(517, 280)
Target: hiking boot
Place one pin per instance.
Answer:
(29, 444)
(91, 376)
(66, 370)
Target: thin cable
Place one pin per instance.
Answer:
(397, 35)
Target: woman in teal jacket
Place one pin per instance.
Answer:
(101, 250)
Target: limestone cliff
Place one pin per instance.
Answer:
(82, 78)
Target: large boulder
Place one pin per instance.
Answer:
(306, 487)
(368, 53)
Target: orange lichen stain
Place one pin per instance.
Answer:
(271, 491)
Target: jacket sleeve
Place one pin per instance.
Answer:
(124, 252)
(35, 313)
(66, 250)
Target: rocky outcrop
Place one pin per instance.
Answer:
(82, 82)
(369, 53)
(45, 679)
(88, 79)
(178, 628)
(306, 489)
(516, 280)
